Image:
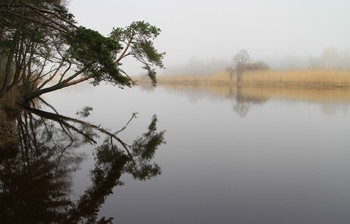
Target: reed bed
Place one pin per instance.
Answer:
(320, 78)
(271, 78)
(309, 85)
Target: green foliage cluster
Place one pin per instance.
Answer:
(138, 38)
(96, 52)
(40, 44)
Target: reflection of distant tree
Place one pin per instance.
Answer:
(244, 103)
(36, 168)
(242, 108)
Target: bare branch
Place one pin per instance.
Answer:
(127, 123)
(36, 21)
(52, 76)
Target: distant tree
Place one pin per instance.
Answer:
(231, 71)
(240, 61)
(331, 58)
(259, 65)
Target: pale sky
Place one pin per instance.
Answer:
(208, 30)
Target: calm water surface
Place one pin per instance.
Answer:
(228, 157)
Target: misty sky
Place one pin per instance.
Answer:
(215, 30)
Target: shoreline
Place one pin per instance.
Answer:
(305, 79)
(258, 84)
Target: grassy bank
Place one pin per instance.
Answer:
(269, 78)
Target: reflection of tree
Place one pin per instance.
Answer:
(35, 178)
(244, 103)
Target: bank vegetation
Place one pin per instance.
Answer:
(303, 78)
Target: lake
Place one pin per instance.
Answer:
(231, 155)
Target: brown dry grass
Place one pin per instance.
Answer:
(300, 77)
(289, 78)
(310, 85)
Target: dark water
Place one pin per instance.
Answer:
(228, 157)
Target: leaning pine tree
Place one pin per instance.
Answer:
(43, 50)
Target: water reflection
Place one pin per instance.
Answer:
(244, 102)
(285, 162)
(245, 98)
(38, 156)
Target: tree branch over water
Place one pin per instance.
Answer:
(40, 41)
(43, 50)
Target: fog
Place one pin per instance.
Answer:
(285, 34)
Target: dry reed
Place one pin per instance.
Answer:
(273, 78)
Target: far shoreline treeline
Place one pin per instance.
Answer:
(302, 78)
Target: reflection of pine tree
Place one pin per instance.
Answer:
(111, 162)
(34, 193)
(105, 177)
(143, 150)
(35, 182)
